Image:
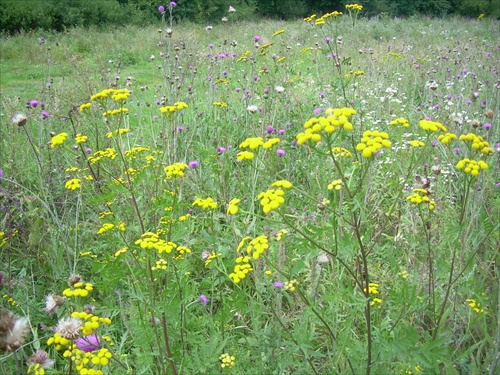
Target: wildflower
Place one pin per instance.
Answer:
(487, 126)
(291, 285)
(431, 126)
(175, 170)
(58, 139)
(73, 184)
(161, 8)
(45, 115)
(34, 103)
(69, 328)
(231, 10)
(19, 119)
(375, 301)
(205, 203)
(372, 141)
(471, 166)
(477, 143)
(335, 185)
(447, 138)
(280, 152)
(475, 305)
(278, 284)
(203, 299)
(336, 118)
(80, 138)
(400, 121)
(256, 38)
(280, 234)
(233, 206)
(271, 199)
(41, 358)
(88, 343)
(227, 360)
(53, 303)
(417, 143)
(241, 269)
(173, 4)
(13, 331)
(193, 164)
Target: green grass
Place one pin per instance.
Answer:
(428, 264)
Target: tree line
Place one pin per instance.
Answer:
(58, 15)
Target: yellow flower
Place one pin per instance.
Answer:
(73, 184)
(271, 199)
(233, 206)
(372, 141)
(245, 155)
(58, 139)
(205, 203)
(175, 170)
(85, 106)
(335, 184)
(81, 138)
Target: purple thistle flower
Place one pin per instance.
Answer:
(193, 164)
(456, 150)
(173, 4)
(88, 343)
(487, 125)
(45, 114)
(203, 299)
(220, 150)
(281, 131)
(34, 103)
(1, 173)
(280, 152)
(256, 38)
(270, 129)
(88, 150)
(328, 39)
(317, 111)
(161, 8)
(210, 46)
(433, 143)
(278, 284)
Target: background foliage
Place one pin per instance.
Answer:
(17, 15)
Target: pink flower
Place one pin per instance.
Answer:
(88, 343)
(161, 8)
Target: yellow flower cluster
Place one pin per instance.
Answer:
(241, 269)
(169, 109)
(220, 104)
(85, 106)
(337, 118)
(256, 142)
(106, 227)
(78, 290)
(421, 196)
(340, 151)
(355, 73)
(120, 95)
(117, 95)
(92, 322)
(373, 290)
(58, 139)
(118, 131)
(88, 363)
(73, 184)
(211, 257)
(310, 18)
(205, 203)
(354, 7)
(244, 57)
(134, 151)
(58, 341)
(372, 141)
(271, 199)
(324, 17)
(115, 111)
(227, 360)
(175, 170)
(417, 143)
(446, 138)
(233, 206)
(400, 121)
(257, 246)
(150, 240)
(291, 285)
(161, 264)
(475, 305)
(36, 369)
(109, 153)
(280, 234)
(278, 32)
(431, 126)
(123, 250)
(335, 185)
(471, 166)
(245, 155)
(478, 143)
(81, 138)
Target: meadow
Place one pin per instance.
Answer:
(319, 196)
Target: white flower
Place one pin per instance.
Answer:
(152, 57)
(252, 108)
(279, 89)
(69, 328)
(209, 28)
(224, 19)
(53, 303)
(13, 331)
(19, 119)
(231, 10)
